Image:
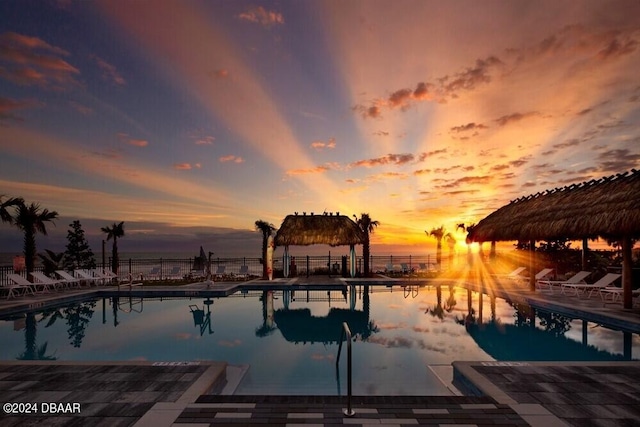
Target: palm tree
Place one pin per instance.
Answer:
(367, 225)
(5, 216)
(31, 219)
(266, 229)
(451, 243)
(114, 232)
(438, 233)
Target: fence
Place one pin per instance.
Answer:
(178, 268)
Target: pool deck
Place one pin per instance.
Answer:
(542, 394)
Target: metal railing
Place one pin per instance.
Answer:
(177, 268)
(349, 412)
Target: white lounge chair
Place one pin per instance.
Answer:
(390, 268)
(244, 271)
(405, 268)
(68, 279)
(175, 272)
(20, 284)
(539, 276)
(573, 280)
(515, 274)
(154, 273)
(103, 277)
(219, 274)
(87, 277)
(615, 294)
(607, 280)
(44, 281)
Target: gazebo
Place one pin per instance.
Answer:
(327, 228)
(608, 207)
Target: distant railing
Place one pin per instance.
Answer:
(338, 265)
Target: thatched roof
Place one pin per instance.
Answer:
(608, 207)
(303, 230)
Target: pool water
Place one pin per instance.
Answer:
(289, 340)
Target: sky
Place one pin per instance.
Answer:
(190, 120)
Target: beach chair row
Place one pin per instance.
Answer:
(577, 285)
(219, 273)
(41, 283)
(405, 268)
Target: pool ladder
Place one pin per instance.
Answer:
(349, 412)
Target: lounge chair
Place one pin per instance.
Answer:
(108, 273)
(19, 284)
(154, 273)
(389, 268)
(539, 276)
(607, 280)
(175, 272)
(573, 280)
(85, 276)
(46, 282)
(68, 279)
(244, 271)
(405, 268)
(100, 275)
(616, 293)
(219, 274)
(515, 274)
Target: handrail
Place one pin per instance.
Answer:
(349, 412)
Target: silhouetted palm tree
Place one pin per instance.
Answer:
(14, 202)
(438, 233)
(367, 225)
(451, 243)
(114, 232)
(267, 229)
(31, 220)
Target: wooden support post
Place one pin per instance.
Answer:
(585, 252)
(532, 265)
(626, 273)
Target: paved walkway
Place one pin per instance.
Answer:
(293, 411)
(577, 393)
(92, 393)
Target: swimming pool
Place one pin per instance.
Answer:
(289, 340)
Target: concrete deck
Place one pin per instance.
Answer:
(504, 393)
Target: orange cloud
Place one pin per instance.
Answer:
(317, 169)
(132, 141)
(319, 145)
(32, 61)
(515, 117)
(8, 105)
(396, 159)
(387, 175)
(260, 15)
(446, 87)
(231, 158)
(182, 166)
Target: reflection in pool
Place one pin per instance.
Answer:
(290, 338)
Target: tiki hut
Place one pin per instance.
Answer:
(608, 207)
(325, 229)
